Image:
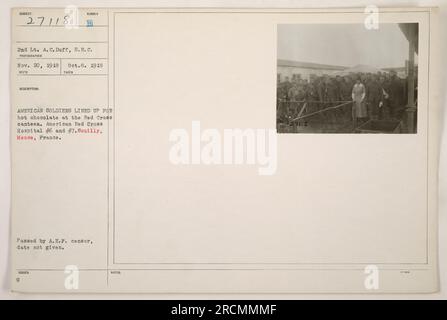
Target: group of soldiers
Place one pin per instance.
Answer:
(384, 98)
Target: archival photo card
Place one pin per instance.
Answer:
(347, 78)
(145, 155)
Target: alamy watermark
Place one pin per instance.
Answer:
(225, 147)
(371, 21)
(372, 277)
(71, 281)
(71, 18)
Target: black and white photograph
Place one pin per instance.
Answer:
(140, 159)
(347, 78)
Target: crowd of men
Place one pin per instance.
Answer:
(385, 97)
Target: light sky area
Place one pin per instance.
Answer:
(343, 44)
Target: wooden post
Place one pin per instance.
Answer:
(411, 109)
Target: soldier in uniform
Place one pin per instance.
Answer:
(395, 95)
(373, 97)
(296, 96)
(302, 98)
(321, 89)
(384, 112)
(332, 97)
(282, 103)
(312, 95)
(345, 95)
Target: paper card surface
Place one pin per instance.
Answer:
(224, 150)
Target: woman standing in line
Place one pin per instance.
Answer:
(359, 110)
